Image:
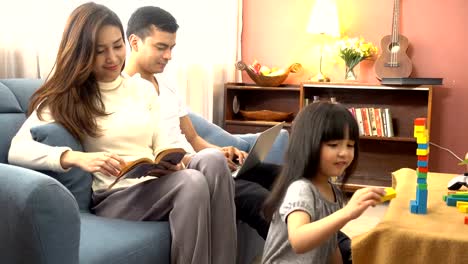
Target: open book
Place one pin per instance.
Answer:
(142, 167)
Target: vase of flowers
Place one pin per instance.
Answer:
(353, 51)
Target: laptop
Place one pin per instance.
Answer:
(259, 150)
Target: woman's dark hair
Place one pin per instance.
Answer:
(143, 20)
(71, 91)
(317, 123)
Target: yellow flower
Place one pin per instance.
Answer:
(355, 50)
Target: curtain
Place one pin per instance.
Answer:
(208, 44)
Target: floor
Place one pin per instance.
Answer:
(369, 219)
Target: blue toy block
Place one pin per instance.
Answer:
(422, 181)
(420, 203)
(422, 209)
(423, 146)
(413, 206)
(421, 197)
(422, 163)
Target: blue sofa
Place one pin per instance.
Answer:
(45, 216)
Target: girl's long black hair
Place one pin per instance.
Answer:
(317, 123)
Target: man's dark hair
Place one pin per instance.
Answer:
(142, 20)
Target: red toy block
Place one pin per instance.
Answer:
(420, 121)
(423, 158)
(466, 220)
(423, 169)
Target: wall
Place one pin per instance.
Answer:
(275, 34)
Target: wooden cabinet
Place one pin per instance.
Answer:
(379, 156)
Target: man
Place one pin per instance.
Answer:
(151, 33)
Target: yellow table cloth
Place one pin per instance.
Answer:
(440, 236)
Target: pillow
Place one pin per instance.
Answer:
(216, 135)
(77, 181)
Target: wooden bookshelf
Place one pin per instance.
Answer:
(378, 156)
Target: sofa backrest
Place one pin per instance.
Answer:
(14, 100)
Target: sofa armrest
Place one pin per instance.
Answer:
(40, 220)
(276, 154)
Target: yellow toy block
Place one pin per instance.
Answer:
(461, 203)
(423, 133)
(419, 128)
(422, 152)
(390, 193)
(463, 208)
(422, 140)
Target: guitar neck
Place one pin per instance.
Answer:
(396, 15)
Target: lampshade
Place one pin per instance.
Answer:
(324, 19)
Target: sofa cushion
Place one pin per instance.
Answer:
(216, 135)
(105, 240)
(76, 180)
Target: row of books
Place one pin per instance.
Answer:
(373, 121)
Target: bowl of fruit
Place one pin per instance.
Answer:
(263, 75)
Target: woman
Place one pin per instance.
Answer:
(117, 121)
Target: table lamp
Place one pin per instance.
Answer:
(324, 21)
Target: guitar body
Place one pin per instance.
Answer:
(393, 61)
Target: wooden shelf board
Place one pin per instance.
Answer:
(247, 86)
(365, 86)
(402, 139)
(255, 123)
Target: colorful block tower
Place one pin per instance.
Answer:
(419, 206)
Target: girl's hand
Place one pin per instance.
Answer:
(361, 200)
(106, 163)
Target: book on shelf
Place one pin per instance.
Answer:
(143, 166)
(378, 122)
(372, 123)
(388, 119)
(384, 123)
(365, 121)
(359, 121)
(381, 125)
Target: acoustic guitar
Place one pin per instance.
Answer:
(393, 61)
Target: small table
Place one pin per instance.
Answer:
(440, 236)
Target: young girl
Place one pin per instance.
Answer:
(306, 208)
